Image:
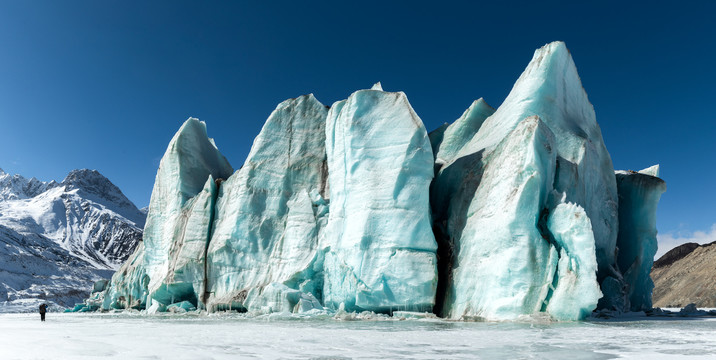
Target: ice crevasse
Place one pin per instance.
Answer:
(503, 213)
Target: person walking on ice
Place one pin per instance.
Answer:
(43, 310)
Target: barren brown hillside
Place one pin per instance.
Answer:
(684, 275)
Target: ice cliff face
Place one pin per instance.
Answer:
(448, 140)
(495, 199)
(503, 213)
(61, 237)
(169, 265)
(183, 173)
(265, 252)
(380, 164)
(639, 194)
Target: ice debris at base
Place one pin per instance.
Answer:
(504, 214)
(689, 310)
(181, 307)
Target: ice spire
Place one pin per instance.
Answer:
(270, 215)
(652, 170)
(550, 87)
(462, 131)
(582, 182)
(188, 161)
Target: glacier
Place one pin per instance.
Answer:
(168, 266)
(183, 174)
(354, 207)
(382, 252)
(639, 194)
(566, 163)
(270, 215)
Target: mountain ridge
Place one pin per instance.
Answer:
(60, 237)
(686, 275)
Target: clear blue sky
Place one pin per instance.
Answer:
(105, 84)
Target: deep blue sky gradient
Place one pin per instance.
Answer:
(105, 84)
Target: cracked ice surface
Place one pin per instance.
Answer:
(72, 336)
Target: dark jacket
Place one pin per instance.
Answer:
(43, 308)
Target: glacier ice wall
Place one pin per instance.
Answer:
(129, 286)
(380, 164)
(186, 274)
(190, 159)
(167, 264)
(551, 89)
(639, 194)
(502, 213)
(187, 163)
(499, 269)
(270, 215)
(463, 204)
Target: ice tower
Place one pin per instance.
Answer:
(381, 248)
(540, 156)
(270, 215)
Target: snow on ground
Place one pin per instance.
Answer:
(129, 336)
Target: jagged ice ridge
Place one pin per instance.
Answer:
(502, 213)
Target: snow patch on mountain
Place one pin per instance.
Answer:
(58, 238)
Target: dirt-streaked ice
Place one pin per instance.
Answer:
(502, 214)
(177, 226)
(492, 200)
(381, 247)
(264, 251)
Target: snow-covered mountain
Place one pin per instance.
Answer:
(16, 187)
(57, 238)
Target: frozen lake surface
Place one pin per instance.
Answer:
(129, 336)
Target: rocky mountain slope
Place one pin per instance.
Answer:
(685, 275)
(58, 238)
